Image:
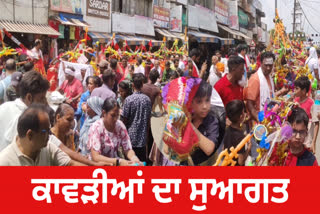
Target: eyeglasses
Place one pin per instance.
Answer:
(302, 133)
(44, 131)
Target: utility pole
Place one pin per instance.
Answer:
(14, 10)
(294, 19)
(32, 12)
(276, 7)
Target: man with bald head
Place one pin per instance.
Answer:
(214, 75)
(4, 84)
(31, 146)
(157, 67)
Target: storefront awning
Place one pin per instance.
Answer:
(80, 23)
(226, 41)
(138, 40)
(131, 39)
(146, 41)
(71, 21)
(244, 36)
(101, 37)
(204, 37)
(22, 27)
(236, 34)
(170, 35)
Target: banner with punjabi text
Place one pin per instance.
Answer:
(160, 189)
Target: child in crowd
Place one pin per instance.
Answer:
(252, 66)
(235, 111)
(205, 126)
(205, 123)
(298, 154)
(301, 89)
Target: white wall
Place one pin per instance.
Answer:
(97, 24)
(6, 10)
(41, 11)
(23, 11)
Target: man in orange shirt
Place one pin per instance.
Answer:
(260, 87)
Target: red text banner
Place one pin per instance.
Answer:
(162, 189)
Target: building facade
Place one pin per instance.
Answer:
(217, 22)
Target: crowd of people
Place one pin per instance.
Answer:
(105, 118)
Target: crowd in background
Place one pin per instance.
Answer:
(105, 116)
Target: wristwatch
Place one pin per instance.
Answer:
(118, 162)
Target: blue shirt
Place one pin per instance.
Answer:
(4, 84)
(137, 111)
(79, 113)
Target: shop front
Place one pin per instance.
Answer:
(134, 31)
(26, 33)
(66, 16)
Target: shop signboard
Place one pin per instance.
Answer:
(161, 17)
(123, 23)
(243, 19)
(67, 6)
(192, 14)
(221, 11)
(98, 8)
(205, 20)
(233, 15)
(143, 25)
(176, 18)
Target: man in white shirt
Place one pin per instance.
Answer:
(182, 66)
(139, 68)
(31, 147)
(214, 75)
(312, 62)
(242, 52)
(32, 88)
(36, 51)
(224, 61)
(157, 67)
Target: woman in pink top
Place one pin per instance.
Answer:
(108, 134)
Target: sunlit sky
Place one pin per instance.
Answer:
(285, 8)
